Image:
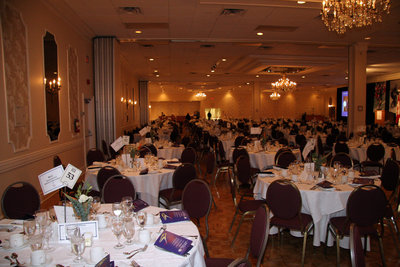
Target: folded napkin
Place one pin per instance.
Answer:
(173, 243)
(105, 262)
(325, 184)
(173, 161)
(368, 173)
(144, 171)
(139, 204)
(171, 216)
(172, 167)
(363, 181)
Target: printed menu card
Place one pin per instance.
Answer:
(139, 204)
(173, 243)
(171, 216)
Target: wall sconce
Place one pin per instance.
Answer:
(135, 102)
(330, 106)
(52, 87)
(122, 99)
(149, 106)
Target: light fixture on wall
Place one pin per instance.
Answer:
(53, 86)
(284, 85)
(275, 96)
(340, 15)
(201, 95)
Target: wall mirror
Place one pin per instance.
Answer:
(52, 86)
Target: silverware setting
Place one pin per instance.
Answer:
(140, 250)
(162, 228)
(194, 236)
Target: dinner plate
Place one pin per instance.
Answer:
(327, 189)
(48, 261)
(262, 175)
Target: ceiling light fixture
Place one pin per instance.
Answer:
(138, 32)
(274, 96)
(224, 59)
(201, 95)
(260, 33)
(301, 2)
(284, 85)
(151, 59)
(340, 15)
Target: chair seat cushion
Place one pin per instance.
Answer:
(250, 205)
(293, 223)
(171, 195)
(218, 262)
(342, 226)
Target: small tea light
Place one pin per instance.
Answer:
(88, 239)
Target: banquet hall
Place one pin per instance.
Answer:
(77, 73)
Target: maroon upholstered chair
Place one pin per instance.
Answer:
(20, 200)
(152, 149)
(284, 200)
(223, 165)
(144, 150)
(356, 247)
(117, 187)
(258, 241)
(341, 147)
(104, 174)
(94, 155)
(182, 175)
(375, 156)
(285, 158)
(197, 200)
(344, 159)
(188, 155)
(366, 207)
(281, 150)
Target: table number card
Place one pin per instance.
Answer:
(84, 227)
(117, 144)
(144, 131)
(255, 130)
(125, 139)
(70, 176)
(50, 180)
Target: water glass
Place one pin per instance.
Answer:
(41, 218)
(96, 204)
(29, 227)
(78, 247)
(117, 209)
(117, 227)
(127, 204)
(36, 242)
(47, 232)
(128, 230)
(141, 217)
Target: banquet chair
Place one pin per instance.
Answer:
(356, 248)
(105, 149)
(284, 200)
(341, 147)
(223, 165)
(185, 141)
(188, 155)
(238, 140)
(20, 200)
(285, 159)
(258, 241)
(283, 141)
(143, 151)
(344, 159)
(375, 157)
(197, 201)
(104, 174)
(366, 207)
(300, 139)
(182, 175)
(240, 262)
(117, 187)
(247, 204)
(152, 148)
(281, 150)
(94, 155)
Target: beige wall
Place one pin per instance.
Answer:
(126, 86)
(26, 165)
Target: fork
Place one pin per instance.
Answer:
(140, 250)
(162, 228)
(130, 252)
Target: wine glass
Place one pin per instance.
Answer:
(29, 227)
(141, 219)
(70, 231)
(36, 242)
(47, 232)
(78, 247)
(128, 230)
(96, 204)
(117, 227)
(117, 208)
(41, 218)
(127, 203)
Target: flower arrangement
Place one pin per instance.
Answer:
(319, 161)
(82, 203)
(380, 89)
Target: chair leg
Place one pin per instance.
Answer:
(215, 205)
(216, 176)
(326, 240)
(337, 250)
(303, 253)
(233, 220)
(381, 250)
(205, 248)
(394, 234)
(237, 230)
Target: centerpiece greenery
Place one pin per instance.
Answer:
(82, 203)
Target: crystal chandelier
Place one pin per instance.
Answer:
(338, 15)
(201, 95)
(284, 85)
(275, 96)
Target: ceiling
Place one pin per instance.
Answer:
(189, 38)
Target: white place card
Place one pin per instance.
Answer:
(125, 139)
(51, 180)
(255, 130)
(61, 213)
(85, 227)
(118, 144)
(70, 176)
(144, 131)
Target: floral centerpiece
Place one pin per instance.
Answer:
(319, 160)
(82, 203)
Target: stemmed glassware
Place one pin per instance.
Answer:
(78, 247)
(47, 232)
(117, 209)
(117, 227)
(96, 204)
(127, 204)
(29, 227)
(128, 230)
(41, 218)
(141, 219)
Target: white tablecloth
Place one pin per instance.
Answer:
(321, 205)
(360, 152)
(170, 152)
(147, 185)
(151, 257)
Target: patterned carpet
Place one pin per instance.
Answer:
(284, 253)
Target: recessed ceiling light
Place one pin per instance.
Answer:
(224, 59)
(260, 33)
(212, 70)
(158, 75)
(257, 76)
(138, 32)
(303, 76)
(346, 78)
(301, 2)
(155, 70)
(367, 38)
(208, 75)
(151, 59)
(247, 83)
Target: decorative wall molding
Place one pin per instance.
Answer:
(26, 159)
(16, 75)
(73, 90)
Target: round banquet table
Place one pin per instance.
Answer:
(359, 152)
(321, 205)
(147, 185)
(153, 256)
(170, 152)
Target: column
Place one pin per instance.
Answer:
(357, 87)
(256, 92)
